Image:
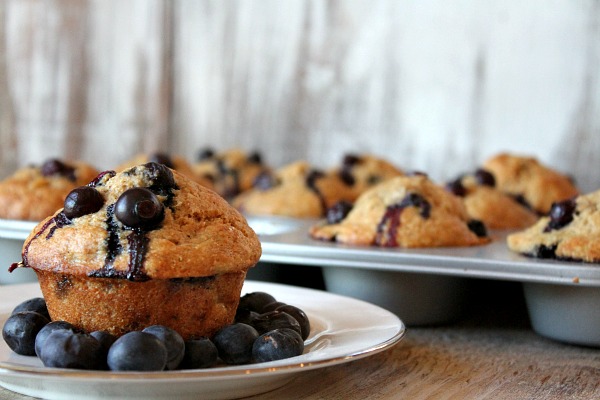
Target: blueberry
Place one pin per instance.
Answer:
(162, 158)
(255, 301)
(234, 343)
(43, 334)
(82, 201)
(274, 320)
(313, 176)
(255, 158)
(137, 351)
(300, 316)
(416, 200)
(100, 177)
(265, 181)
(205, 154)
(350, 160)
(106, 340)
(20, 329)
(67, 349)
(337, 212)
(173, 342)
(245, 316)
(199, 353)
(561, 214)
(345, 175)
(57, 167)
(272, 306)
(485, 178)
(277, 344)
(477, 227)
(456, 187)
(162, 178)
(543, 251)
(139, 208)
(37, 304)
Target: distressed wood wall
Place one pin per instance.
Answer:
(432, 85)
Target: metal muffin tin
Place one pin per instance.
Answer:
(12, 235)
(428, 286)
(421, 286)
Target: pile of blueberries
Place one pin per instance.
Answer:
(263, 330)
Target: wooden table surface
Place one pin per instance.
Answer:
(490, 353)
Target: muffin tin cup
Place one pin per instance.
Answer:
(427, 286)
(568, 314)
(418, 299)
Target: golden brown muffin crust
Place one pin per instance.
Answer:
(232, 171)
(379, 217)
(201, 235)
(577, 239)
(486, 203)
(364, 171)
(524, 176)
(29, 195)
(299, 190)
(175, 162)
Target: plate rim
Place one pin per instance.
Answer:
(247, 371)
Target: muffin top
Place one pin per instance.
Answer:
(232, 171)
(147, 222)
(486, 203)
(35, 192)
(530, 181)
(295, 190)
(571, 231)
(406, 211)
(175, 162)
(363, 171)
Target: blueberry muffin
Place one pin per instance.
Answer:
(486, 203)
(407, 211)
(571, 231)
(177, 163)
(362, 171)
(35, 192)
(295, 190)
(231, 172)
(141, 247)
(529, 181)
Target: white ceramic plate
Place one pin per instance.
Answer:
(343, 329)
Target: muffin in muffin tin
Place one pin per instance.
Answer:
(175, 162)
(486, 203)
(529, 181)
(571, 232)
(407, 211)
(35, 192)
(231, 171)
(295, 190)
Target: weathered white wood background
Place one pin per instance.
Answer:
(432, 85)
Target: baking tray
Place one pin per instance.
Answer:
(422, 286)
(429, 285)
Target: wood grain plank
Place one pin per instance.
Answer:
(432, 86)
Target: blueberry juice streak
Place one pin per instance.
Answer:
(59, 221)
(113, 247)
(387, 229)
(100, 177)
(311, 183)
(138, 245)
